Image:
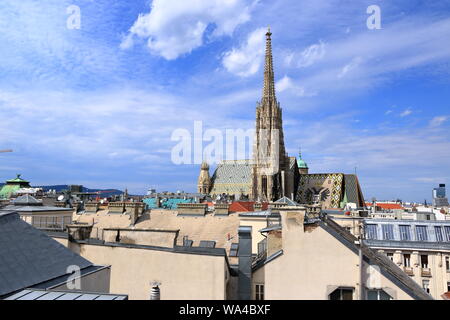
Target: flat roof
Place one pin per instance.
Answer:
(37, 294)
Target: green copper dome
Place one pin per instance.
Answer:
(300, 162)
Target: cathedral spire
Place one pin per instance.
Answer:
(269, 79)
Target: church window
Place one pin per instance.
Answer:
(264, 185)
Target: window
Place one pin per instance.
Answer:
(438, 231)
(426, 285)
(448, 286)
(407, 260)
(264, 185)
(447, 232)
(421, 233)
(371, 231)
(259, 292)
(390, 255)
(342, 294)
(378, 295)
(388, 231)
(447, 264)
(424, 261)
(405, 233)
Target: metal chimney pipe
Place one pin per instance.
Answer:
(155, 293)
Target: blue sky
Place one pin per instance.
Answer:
(97, 105)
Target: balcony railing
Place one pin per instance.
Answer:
(426, 272)
(409, 271)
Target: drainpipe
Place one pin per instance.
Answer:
(361, 260)
(245, 263)
(361, 285)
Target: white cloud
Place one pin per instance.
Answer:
(350, 66)
(406, 113)
(246, 60)
(438, 121)
(286, 84)
(428, 179)
(174, 27)
(311, 54)
(365, 60)
(387, 158)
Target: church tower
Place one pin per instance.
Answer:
(270, 161)
(204, 180)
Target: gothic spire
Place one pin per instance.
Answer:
(269, 79)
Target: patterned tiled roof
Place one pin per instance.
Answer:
(232, 177)
(352, 189)
(292, 162)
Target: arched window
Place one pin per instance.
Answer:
(264, 186)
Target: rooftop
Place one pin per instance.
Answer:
(29, 256)
(36, 294)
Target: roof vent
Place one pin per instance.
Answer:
(207, 244)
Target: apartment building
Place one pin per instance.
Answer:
(420, 248)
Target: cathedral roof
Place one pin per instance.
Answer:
(232, 176)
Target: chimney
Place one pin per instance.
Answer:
(155, 293)
(245, 263)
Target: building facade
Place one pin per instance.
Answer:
(420, 248)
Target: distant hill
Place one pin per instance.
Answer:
(62, 187)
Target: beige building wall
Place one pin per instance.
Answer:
(312, 265)
(159, 238)
(256, 224)
(436, 273)
(63, 241)
(182, 276)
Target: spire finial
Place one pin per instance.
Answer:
(269, 79)
(300, 152)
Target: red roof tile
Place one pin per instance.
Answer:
(387, 206)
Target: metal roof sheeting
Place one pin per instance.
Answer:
(28, 256)
(30, 294)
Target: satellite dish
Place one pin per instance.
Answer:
(60, 198)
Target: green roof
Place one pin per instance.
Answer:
(17, 180)
(300, 162)
(7, 190)
(12, 186)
